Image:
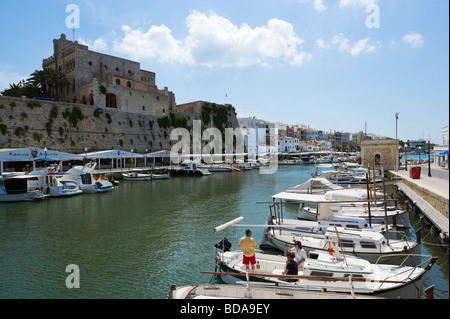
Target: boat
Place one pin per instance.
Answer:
(160, 176)
(190, 168)
(84, 176)
(331, 273)
(134, 176)
(345, 203)
(54, 185)
(216, 168)
(368, 245)
(321, 185)
(20, 188)
(308, 160)
(253, 290)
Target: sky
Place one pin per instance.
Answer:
(335, 65)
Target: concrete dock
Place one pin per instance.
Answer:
(430, 195)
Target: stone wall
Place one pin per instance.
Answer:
(383, 152)
(32, 123)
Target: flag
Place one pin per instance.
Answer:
(330, 248)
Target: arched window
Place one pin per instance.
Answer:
(377, 159)
(117, 82)
(128, 84)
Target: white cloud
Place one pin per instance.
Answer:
(96, 45)
(7, 76)
(215, 41)
(355, 3)
(342, 44)
(319, 5)
(414, 39)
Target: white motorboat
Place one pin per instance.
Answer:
(345, 203)
(324, 272)
(190, 168)
(134, 176)
(83, 175)
(54, 185)
(252, 290)
(20, 188)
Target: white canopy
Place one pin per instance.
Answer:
(34, 154)
(163, 154)
(111, 154)
(335, 196)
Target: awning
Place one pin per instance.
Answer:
(32, 154)
(443, 153)
(109, 154)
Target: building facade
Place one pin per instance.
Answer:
(382, 153)
(106, 81)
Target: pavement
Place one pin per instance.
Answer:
(437, 183)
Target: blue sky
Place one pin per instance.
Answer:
(312, 62)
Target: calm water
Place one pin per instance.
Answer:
(138, 240)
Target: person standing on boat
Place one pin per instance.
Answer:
(299, 252)
(291, 267)
(248, 245)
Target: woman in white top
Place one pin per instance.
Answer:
(300, 253)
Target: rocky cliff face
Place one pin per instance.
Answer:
(72, 127)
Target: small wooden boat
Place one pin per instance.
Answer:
(323, 272)
(252, 291)
(133, 176)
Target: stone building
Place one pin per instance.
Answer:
(106, 81)
(381, 152)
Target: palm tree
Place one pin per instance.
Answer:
(50, 81)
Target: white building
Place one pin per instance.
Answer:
(258, 135)
(441, 152)
(288, 145)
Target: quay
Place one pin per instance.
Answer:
(429, 196)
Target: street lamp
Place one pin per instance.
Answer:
(420, 149)
(396, 141)
(406, 156)
(429, 149)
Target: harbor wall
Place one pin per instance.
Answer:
(439, 202)
(70, 127)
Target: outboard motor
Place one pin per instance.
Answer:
(224, 244)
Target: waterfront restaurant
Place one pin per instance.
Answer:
(21, 159)
(120, 157)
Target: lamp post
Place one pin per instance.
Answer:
(406, 156)
(429, 149)
(420, 149)
(85, 155)
(396, 142)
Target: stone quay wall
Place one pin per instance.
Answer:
(72, 127)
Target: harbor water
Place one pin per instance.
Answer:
(143, 237)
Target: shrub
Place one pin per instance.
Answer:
(33, 104)
(54, 112)
(3, 128)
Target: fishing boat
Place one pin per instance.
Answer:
(252, 290)
(160, 176)
(329, 272)
(134, 176)
(216, 168)
(190, 168)
(20, 188)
